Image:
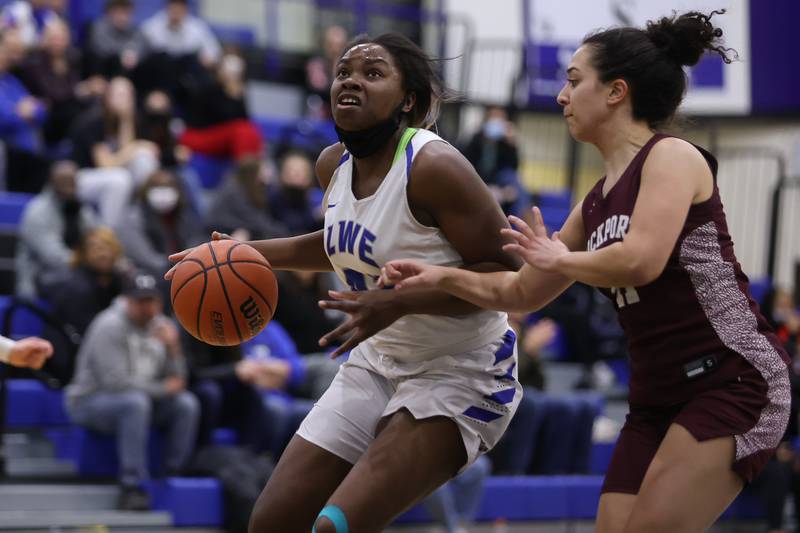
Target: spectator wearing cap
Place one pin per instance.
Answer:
(131, 375)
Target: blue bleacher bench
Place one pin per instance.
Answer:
(12, 205)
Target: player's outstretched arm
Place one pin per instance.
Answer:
(31, 352)
(303, 252)
(528, 289)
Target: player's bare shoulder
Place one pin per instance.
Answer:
(673, 150)
(673, 159)
(438, 158)
(327, 162)
(441, 167)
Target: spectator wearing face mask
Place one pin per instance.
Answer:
(494, 154)
(52, 227)
(158, 224)
(156, 125)
(296, 200)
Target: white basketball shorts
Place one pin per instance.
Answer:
(478, 389)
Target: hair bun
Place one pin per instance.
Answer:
(685, 38)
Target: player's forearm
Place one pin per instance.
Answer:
(492, 290)
(460, 291)
(304, 252)
(612, 266)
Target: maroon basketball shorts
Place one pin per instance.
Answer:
(755, 416)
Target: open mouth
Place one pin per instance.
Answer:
(348, 100)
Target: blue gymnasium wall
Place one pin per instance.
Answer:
(775, 57)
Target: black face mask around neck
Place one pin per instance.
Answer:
(364, 143)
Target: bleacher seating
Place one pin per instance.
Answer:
(190, 501)
(24, 322)
(197, 502)
(12, 204)
(210, 170)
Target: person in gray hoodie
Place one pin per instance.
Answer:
(131, 375)
(51, 228)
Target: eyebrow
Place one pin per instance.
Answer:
(367, 61)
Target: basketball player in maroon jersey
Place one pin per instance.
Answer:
(709, 388)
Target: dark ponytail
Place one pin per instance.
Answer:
(685, 38)
(651, 60)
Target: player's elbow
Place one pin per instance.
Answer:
(642, 271)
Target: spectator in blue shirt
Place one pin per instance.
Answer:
(21, 115)
(251, 391)
(29, 17)
(273, 364)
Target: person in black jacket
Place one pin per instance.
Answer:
(90, 287)
(494, 154)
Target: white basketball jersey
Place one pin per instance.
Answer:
(361, 235)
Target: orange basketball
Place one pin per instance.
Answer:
(224, 292)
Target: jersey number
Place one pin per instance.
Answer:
(625, 296)
(355, 279)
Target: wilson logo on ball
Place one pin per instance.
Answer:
(252, 314)
(216, 321)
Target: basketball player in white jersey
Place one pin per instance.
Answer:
(431, 380)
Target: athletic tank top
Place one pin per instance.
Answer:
(696, 326)
(363, 234)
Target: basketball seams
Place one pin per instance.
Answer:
(248, 262)
(255, 290)
(205, 262)
(187, 281)
(200, 306)
(231, 260)
(225, 292)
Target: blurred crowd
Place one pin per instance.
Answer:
(100, 124)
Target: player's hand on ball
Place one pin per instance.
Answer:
(31, 352)
(533, 244)
(410, 274)
(370, 312)
(178, 257)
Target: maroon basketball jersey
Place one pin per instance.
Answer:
(696, 326)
